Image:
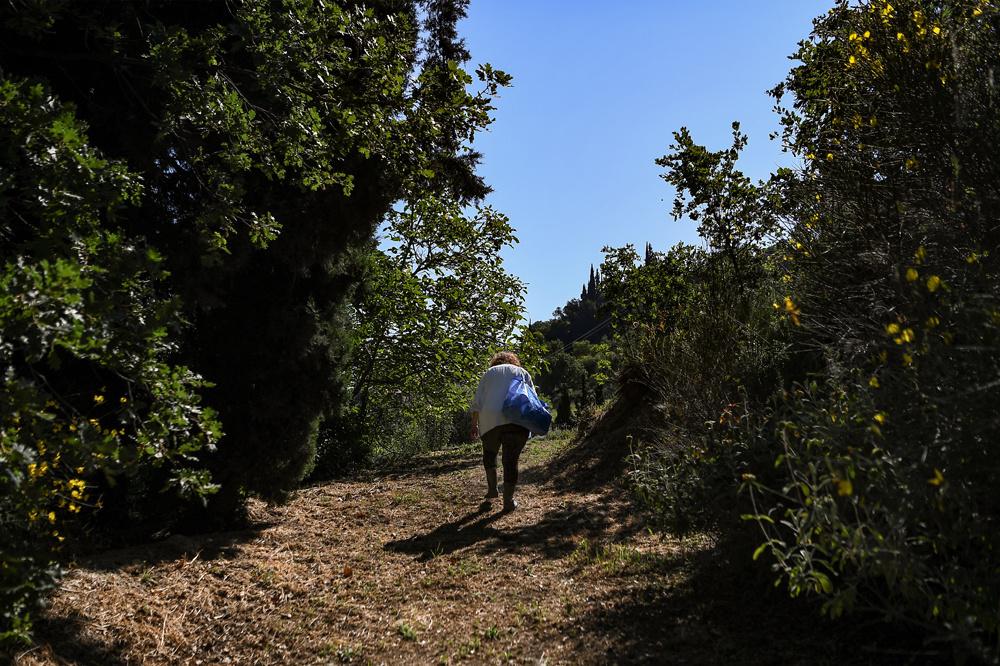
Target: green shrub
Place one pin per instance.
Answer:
(88, 392)
(889, 498)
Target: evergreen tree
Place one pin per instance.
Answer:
(271, 141)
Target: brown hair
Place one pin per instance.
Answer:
(505, 357)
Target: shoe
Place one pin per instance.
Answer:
(509, 503)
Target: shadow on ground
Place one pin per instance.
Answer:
(724, 610)
(209, 546)
(555, 535)
(64, 644)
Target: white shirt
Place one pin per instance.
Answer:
(491, 393)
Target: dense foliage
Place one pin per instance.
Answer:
(435, 305)
(836, 348)
(89, 389)
(576, 360)
(188, 201)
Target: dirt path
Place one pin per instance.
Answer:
(407, 568)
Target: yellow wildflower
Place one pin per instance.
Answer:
(933, 282)
(920, 254)
(937, 479)
(892, 329)
(907, 335)
(52, 516)
(933, 321)
(123, 400)
(844, 487)
(98, 399)
(912, 274)
(792, 310)
(873, 382)
(881, 418)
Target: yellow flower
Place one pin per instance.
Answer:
(900, 36)
(881, 418)
(920, 254)
(851, 60)
(892, 329)
(845, 487)
(933, 321)
(937, 30)
(907, 335)
(810, 156)
(52, 516)
(977, 12)
(873, 382)
(123, 400)
(933, 282)
(792, 310)
(853, 36)
(829, 157)
(937, 479)
(98, 399)
(912, 274)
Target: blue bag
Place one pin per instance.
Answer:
(523, 407)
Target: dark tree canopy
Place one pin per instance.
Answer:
(271, 138)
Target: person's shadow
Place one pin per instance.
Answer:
(452, 536)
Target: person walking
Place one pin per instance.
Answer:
(498, 433)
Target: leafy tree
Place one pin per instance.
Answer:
(436, 304)
(271, 139)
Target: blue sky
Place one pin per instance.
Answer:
(598, 89)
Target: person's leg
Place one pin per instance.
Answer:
(491, 446)
(513, 443)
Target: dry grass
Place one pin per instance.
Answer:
(406, 568)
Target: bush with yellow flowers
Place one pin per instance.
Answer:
(89, 394)
(888, 497)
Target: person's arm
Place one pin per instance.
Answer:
(477, 404)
